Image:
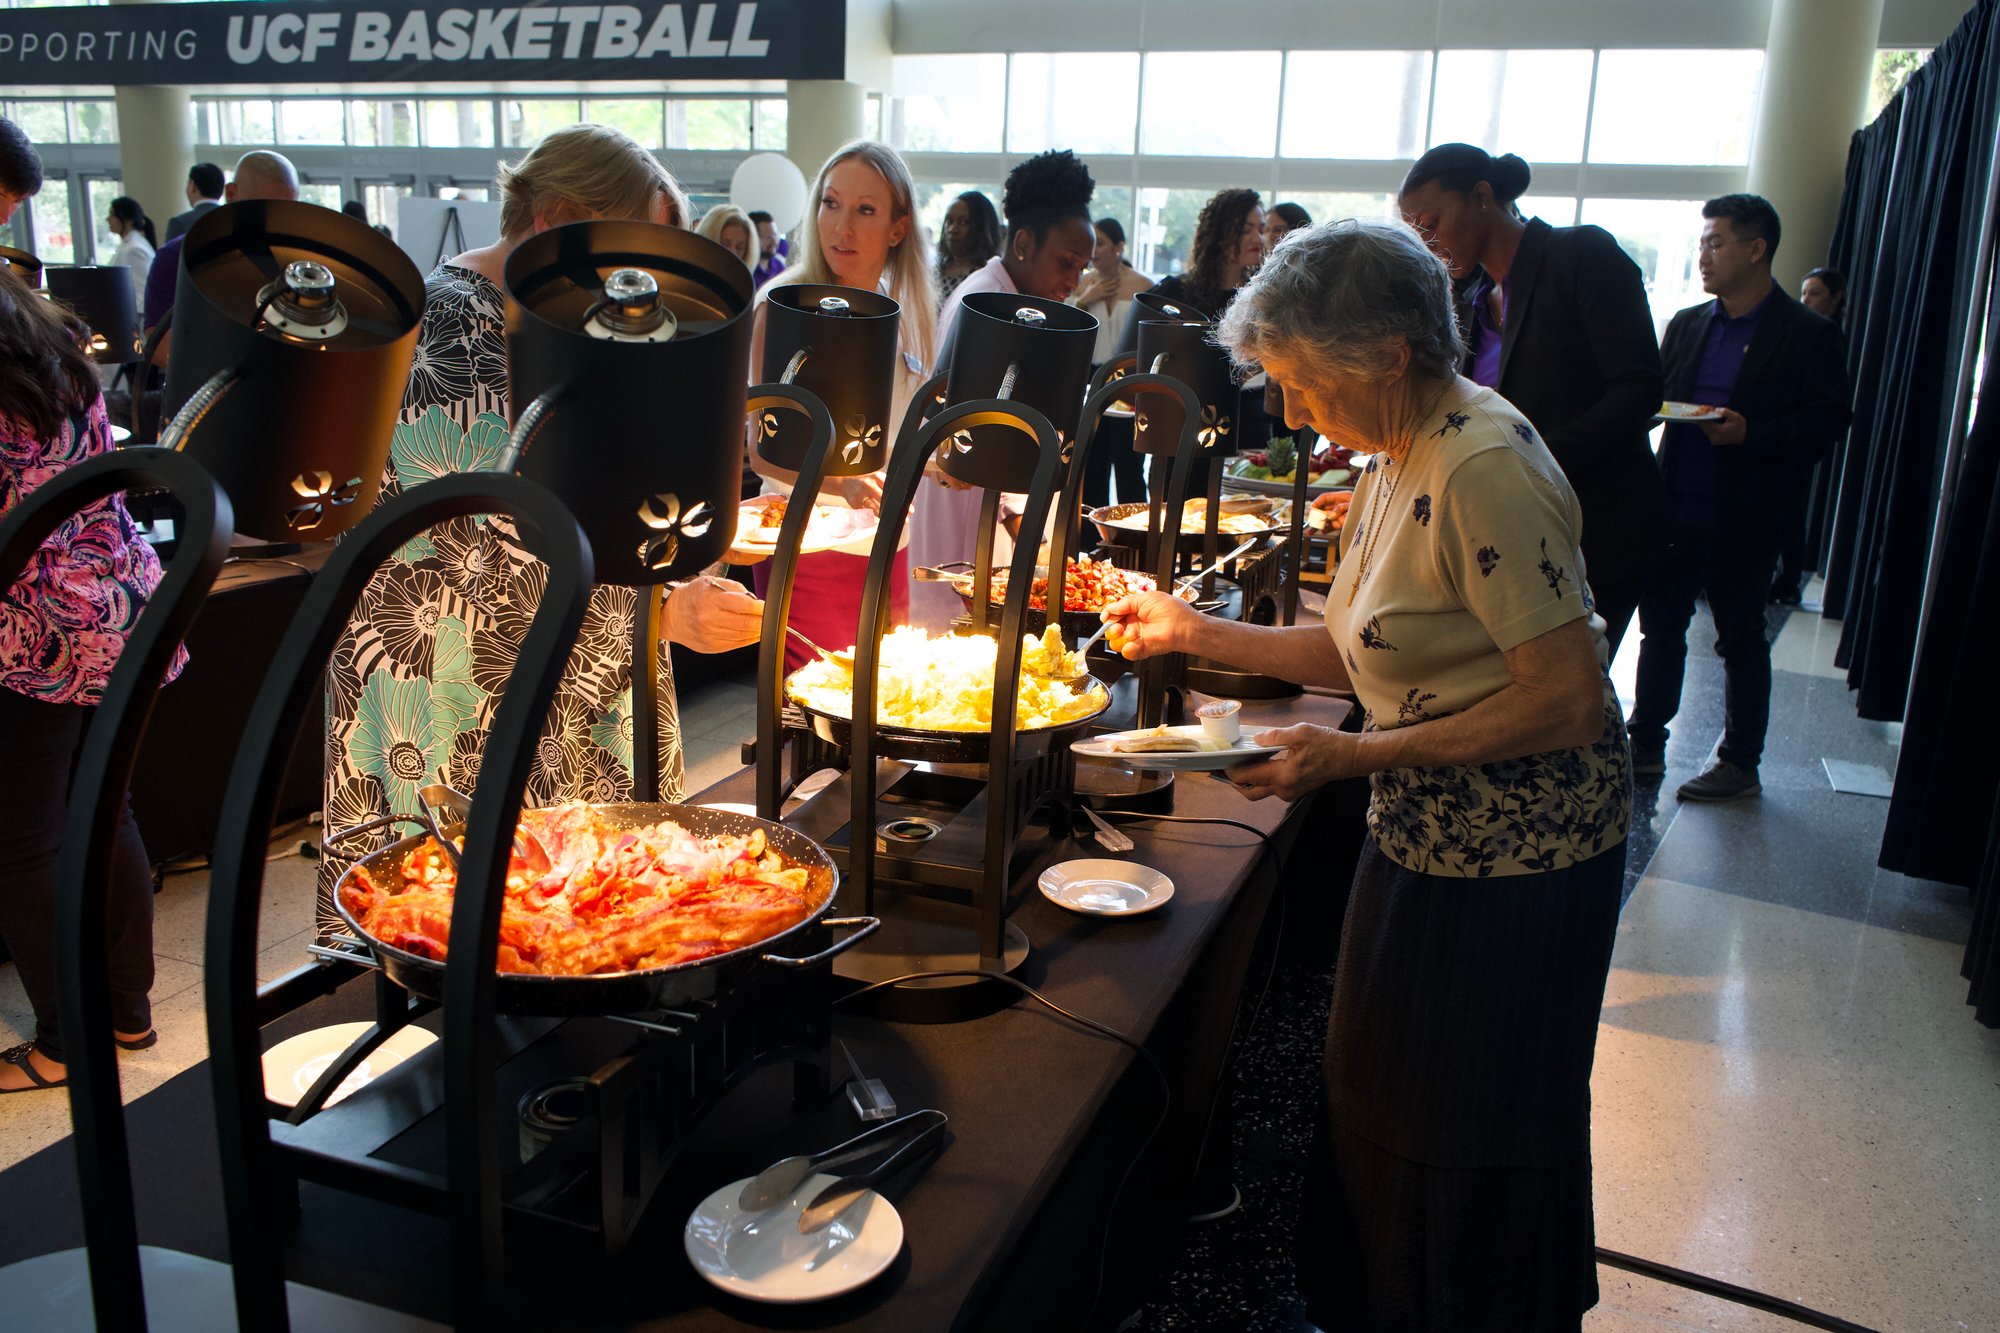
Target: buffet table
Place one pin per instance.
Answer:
(1007, 1224)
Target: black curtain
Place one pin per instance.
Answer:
(1924, 270)
(1864, 204)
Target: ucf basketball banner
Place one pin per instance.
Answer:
(410, 41)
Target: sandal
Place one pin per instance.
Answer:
(18, 1057)
(147, 1042)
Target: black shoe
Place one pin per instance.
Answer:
(1649, 759)
(1785, 597)
(1722, 781)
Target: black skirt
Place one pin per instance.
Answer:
(1456, 1162)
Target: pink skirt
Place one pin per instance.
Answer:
(826, 600)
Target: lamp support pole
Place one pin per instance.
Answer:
(83, 875)
(646, 650)
(253, 1212)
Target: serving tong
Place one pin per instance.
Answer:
(1181, 583)
(903, 1140)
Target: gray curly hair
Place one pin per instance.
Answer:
(1340, 296)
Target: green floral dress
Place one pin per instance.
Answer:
(416, 678)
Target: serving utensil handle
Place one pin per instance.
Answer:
(863, 927)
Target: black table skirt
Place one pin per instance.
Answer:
(1005, 1225)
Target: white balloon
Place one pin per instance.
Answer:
(773, 183)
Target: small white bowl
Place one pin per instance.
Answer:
(1222, 719)
(1102, 887)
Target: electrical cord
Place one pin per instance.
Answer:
(1091, 1024)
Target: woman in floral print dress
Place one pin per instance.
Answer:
(416, 680)
(1479, 929)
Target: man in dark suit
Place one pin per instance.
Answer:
(204, 192)
(1777, 375)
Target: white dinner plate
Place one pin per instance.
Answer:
(733, 807)
(762, 1256)
(836, 527)
(1690, 412)
(1098, 886)
(120, 434)
(1182, 761)
(295, 1064)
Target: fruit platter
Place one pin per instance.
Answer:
(1274, 470)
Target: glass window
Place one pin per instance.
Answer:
(1660, 235)
(379, 198)
(948, 104)
(1165, 234)
(1086, 101)
(710, 124)
(773, 119)
(477, 191)
(459, 123)
(1553, 209)
(234, 121)
(1115, 201)
(1645, 115)
(315, 120)
(324, 193)
(1356, 104)
(93, 122)
(55, 236)
(389, 124)
(1532, 103)
(99, 191)
(871, 118)
(640, 118)
(42, 122)
(1210, 104)
(528, 121)
(1892, 70)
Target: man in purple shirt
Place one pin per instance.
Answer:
(1776, 375)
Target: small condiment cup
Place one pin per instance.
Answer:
(1220, 720)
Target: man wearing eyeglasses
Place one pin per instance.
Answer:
(1773, 376)
(20, 170)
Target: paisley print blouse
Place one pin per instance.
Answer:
(416, 679)
(1470, 546)
(63, 625)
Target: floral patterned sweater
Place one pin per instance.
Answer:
(1473, 551)
(64, 623)
(416, 679)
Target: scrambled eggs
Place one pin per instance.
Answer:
(946, 683)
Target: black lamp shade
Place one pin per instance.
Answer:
(296, 326)
(1151, 305)
(634, 421)
(1186, 350)
(848, 341)
(25, 265)
(1030, 351)
(102, 295)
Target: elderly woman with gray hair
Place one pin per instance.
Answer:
(1479, 931)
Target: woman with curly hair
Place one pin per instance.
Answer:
(63, 626)
(1228, 247)
(416, 679)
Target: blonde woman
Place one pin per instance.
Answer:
(729, 227)
(861, 232)
(414, 685)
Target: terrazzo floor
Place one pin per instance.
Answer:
(1789, 1095)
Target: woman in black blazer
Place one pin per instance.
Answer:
(1557, 320)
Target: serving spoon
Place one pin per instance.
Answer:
(1180, 585)
(845, 661)
(441, 796)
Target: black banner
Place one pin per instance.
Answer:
(409, 41)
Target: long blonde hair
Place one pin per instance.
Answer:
(909, 269)
(586, 171)
(717, 219)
